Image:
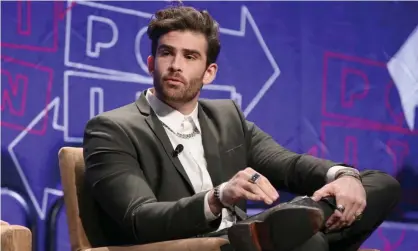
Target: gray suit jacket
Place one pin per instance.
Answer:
(142, 190)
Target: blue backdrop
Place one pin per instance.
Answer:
(335, 79)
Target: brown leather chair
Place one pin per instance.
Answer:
(15, 237)
(72, 167)
(71, 164)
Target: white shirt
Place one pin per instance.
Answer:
(192, 157)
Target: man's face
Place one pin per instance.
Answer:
(179, 67)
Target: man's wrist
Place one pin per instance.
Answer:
(210, 216)
(336, 170)
(348, 172)
(215, 204)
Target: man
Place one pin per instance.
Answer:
(170, 166)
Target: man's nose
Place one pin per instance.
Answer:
(176, 63)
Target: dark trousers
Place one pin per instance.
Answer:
(383, 193)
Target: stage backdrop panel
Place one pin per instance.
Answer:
(337, 80)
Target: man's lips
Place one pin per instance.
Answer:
(176, 80)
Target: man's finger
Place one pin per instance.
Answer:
(349, 202)
(338, 225)
(351, 216)
(349, 211)
(263, 183)
(267, 188)
(323, 192)
(255, 189)
(335, 222)
(345, 205)
(333, 219)
(355, 211)
(249, 195)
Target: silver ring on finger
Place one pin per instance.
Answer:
(254, 178)
(341, 208)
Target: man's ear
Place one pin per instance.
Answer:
(150, 63)
(210, 74)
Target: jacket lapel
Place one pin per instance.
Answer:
(158, 129)
(210, 140)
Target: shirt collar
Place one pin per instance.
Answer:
(169, 116)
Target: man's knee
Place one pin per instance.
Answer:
(391, 187)
(318, 242)
(381, 185)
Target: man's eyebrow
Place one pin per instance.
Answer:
(165, 46)
(191, 51)
(187, 51)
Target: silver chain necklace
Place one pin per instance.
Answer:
(182, 135)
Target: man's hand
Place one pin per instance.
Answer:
(348, 192)
(239, 187)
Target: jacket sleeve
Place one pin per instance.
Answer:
(297, 173)
(117, 183)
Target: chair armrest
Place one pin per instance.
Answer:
(192, 244)
(15, 238)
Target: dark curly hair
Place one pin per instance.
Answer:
(184, 18)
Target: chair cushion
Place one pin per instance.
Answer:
(193, 244)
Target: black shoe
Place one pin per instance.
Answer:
(282, 227)
(326, 205)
